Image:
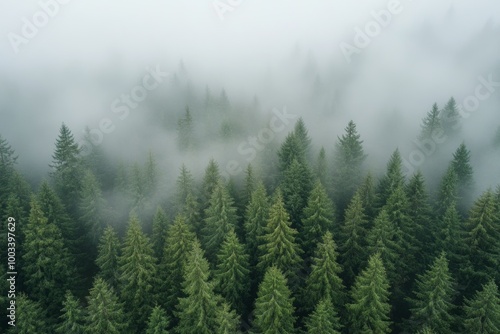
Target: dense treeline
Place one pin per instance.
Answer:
(305, 243)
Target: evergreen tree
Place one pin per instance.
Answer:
(347, 167)
(220, 218)
(210, 181)
(482, 313)
(463, 169)
(105, 313)
(274, 305)
(352, 239)
(185, 132)
(256, 216)
(31, 317)
(92, 207)
(227, 320)
(137, 268)
(482, 240)
(318, 217)
(158, 322)
(95, 159)
(184, 187)
(450, 117)
(324, 319)
(67, 172)
(296, 187)
(178, 244)
(107, 257)
(431, 124)
(250, 186)
(432, 305)
(8, 160)
(370, 294)
(449, 238)
(160, 225)
(48, 267)
(73, 316)
(278, 246)
(302, 135)
(448, 191)
(231, 275)
(368, 195)
(197, 312)
(151, 176)
(324, 280)
(392, 179)
(291, 149)
(192, 214)
(321, 168)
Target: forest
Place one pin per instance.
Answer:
(306, 240)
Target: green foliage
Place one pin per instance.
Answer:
(291, 149)
(432, 306)
(250, 185)
(431, 124)
(463, 169)
(392, 179)
(256, 217)
(185, 133)
(302, 135)
(158, 322)
(31, 317)
(107, 257)
(369, 311)
(482, 313)
(105, 313)
(92, 207)
(160, 225)
(7, 162)
(210, 182)
(324, 319)
(73, 316)
(296, 186)
(321, 168)
(184, 187)
(228, 321)
(368, 195)
(274, 305)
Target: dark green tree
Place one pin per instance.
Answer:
(227, 320)
(392, 179)
(291, 149)
(250, 185)
(450, 118)
(256, 217)
(105, 312)
(321, 168)
(302, 135)
(31, 317)
(482, 313)
(368, 194)
(369, 311)
(210, 180)
(431, 124)
(184, 187)
(433, 303)
(296, 186)
(347, 167)
(465, 182)
(324, 319)
(73, 316)
(448, 191)
(8, 161)
(92, 207)
(274, 310)
(160, 226)
(192, 214)
(107, 257)
(151, 176)
(158, 322)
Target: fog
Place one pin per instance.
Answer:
(285, 54)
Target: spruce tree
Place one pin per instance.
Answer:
(296, 186)
(210, 181)
(302, 135)
(184, 187)
(431, 124)
(324, 319)
(291, 149)
(449, 238)
(250, 185)
(92, 207)
(158, 322)
(463, 169)
(108, 254)
(274, 311)
(318, 217)
(73, 316)
(227, 320)
(448, 191)
(160, 226)
(197, 312)
(321, 168)
(279, 247)
(352, 239)
(392, 179)
(178, 244)
(369, 311)
(450, 117)
(256, 217)
(231, 274)
(31, 317)
(220, 218)
(347, 167)
(482, 313)
(433, 302)
(151, 176)
(324, 280)
(192, 214)
(8, 160)
(368, 195)
(105, 312)
(137, 268)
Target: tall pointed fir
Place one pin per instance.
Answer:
(321, 168)
(151, 176)
(279, 247)
(184, 186)
(232, 272)
(318, 217)
(302, 135)
(228, 321)
(465, 183)
(185, 140)
(67, 173)
(72, 317)
(368, 194)
(433, 303)
(324, 280)
(431, 124)
(31, 317)
(105, 312)
(160, 226)
(48, 268)
(347, 167)
(108, 253)
(448, 191)
(274, 311)
(137, 268)
(392, 179)
(352, 239)
(197, 312)
(291, 149)
(92, 208)
(210, 181)
(369, 311)
(296, 186)
(158, 322)
(8, 160)
(450, 118)
(482, 313)
(324, 319)
(449, 238)
(220, 218)
(249, 186)
(178, 244)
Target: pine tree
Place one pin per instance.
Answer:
(353, 243)
(192, 214)
(463, 169)
(448, 191)
(105, 313)
(278, 246)
(249, 187)
(197, 312)
(67, 173)
(232, 272)
(48, 266)
(73, 316)
(158, 322)
(450, 117)
(302, 135)
(8, 160)
(347, 168)
(184, 187)
(482, 313)
(220, 218)
(291, 149)
(31, 317)
(449, 238)
(370, 294)
(185, 138)
(482, 240)
(160, 226)
(227, 320)
(431, 124)
(210, 181)
(178, 244)
(92, 207)
(432, 305)
(392, 179)
(324, 319)
(137, 268)
(274, 305)
(107, 257)
(321, 168)
(368, 195)
(296, 186)
(324, 280)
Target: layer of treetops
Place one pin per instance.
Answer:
(305, 243)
